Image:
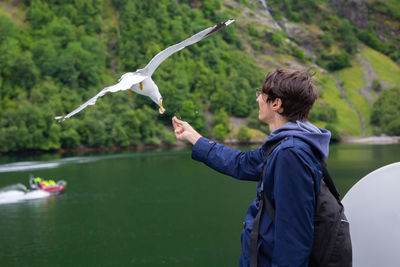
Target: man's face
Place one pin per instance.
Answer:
(265, 112)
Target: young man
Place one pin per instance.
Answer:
(292, 172)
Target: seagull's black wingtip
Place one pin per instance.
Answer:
(220, 26)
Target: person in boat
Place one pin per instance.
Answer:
(48, 183)
(41, 182)
(36, 183)
(284, 101)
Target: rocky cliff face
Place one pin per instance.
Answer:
(354, 10)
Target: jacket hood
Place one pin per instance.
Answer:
(316, 137)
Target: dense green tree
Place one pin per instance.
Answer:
(118, 135)
(254, 123)
(347, 36)
(297, 10)
(376, 85)
(241, 108)
(298, 53)
(243, 134)
(326, 39)
(167, 137)
(339, 61)
(70, 138)
(45, 55)
(39, 14)
(323, 112)
(131, 123)
(7, 28)
(192, 114)
(385, 112)
(370, 38)
(220, 132)
(276, 38)
(222, 98)
(335, 135)
(221, 117)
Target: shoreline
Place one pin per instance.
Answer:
(372, 140)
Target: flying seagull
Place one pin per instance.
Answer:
(140, 81)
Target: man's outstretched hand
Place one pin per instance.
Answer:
(183, 131)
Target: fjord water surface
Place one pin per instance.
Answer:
(154, 208)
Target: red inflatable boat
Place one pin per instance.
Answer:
(47, 185)
(54, 188)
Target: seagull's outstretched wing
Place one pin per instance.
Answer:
(126, 82)
(160, 57)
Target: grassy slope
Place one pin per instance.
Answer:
(347, 118)
(353, 81)
(386, 69)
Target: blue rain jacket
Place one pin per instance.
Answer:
(291, 171)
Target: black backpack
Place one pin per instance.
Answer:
(331, 243)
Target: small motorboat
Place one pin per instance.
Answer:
(47, 185)
(39, 188)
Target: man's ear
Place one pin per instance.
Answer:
(277, 104)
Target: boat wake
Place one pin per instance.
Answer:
(18, 192)
(23, 166)
(35, 165)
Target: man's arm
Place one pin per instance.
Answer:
(295, 205)
(233, 162)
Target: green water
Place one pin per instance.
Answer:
(157, 208)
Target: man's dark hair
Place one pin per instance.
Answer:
(296, 90)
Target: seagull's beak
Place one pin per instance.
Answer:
(161, 109)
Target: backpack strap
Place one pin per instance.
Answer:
(328, 181)
(326, 176)
(267, 206)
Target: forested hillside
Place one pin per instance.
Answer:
(55, 55)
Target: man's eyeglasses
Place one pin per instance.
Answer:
(258, 92)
